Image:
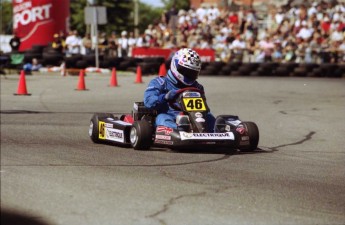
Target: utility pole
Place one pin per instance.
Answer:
(136, 18)
(95, 15)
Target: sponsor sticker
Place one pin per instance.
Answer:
(198, 114)
(165, 130)
(245, 138)
(200, 120)
(101, 129)
(206, 136)
(234, 122)
(191, 94)
(164, 142)
(163, 137)
(114, 135)
(241, 130)
(109, 125)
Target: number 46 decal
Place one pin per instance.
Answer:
(194, 104)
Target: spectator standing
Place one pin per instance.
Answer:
(267, 47)
(233, 18)
(305, 32)
(123, 44)
(113, 45)
(237, 48)
(201, 12)
(277, 54)
(73, 43)
(131, 43)
(142, 41)
(213, 13)
(58, 44)
(15, 43)
(86, 44)
(341, 50)
(169, 14)
(103, 43)
(325, 24)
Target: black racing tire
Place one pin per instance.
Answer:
(94, 128)
(141, 135)
(253, 133)
(81, 64)
(114, 61)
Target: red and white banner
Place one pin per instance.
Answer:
(206, 55)
(36, 21)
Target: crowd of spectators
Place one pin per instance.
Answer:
(310, 33)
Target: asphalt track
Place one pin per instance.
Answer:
(51, 172)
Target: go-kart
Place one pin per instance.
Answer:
(139, 131)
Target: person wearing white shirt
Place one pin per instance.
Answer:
(181, 17)
(131, 43)
(237, 47)
(312, 10)
(73, 43)
(201, 12)
(337, 35)
(238, 43)
(213, 13)
(279, 16)
(123, 44)
(305, 32)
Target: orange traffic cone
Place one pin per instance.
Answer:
(139, 76)
(22, 85)
(113, 79)
(81, 83)
(162, 70)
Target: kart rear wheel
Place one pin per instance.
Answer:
(253, 133)
(94, 127)
(141, 135)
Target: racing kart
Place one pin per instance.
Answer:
(138, 129)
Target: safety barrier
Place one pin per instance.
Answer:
(153, 65)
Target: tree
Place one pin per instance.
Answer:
(6, 17)
(118, 15)
(148, 15)
(179, 4)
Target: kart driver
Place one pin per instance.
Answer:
(184, 70)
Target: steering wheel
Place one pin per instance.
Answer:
(172, 103)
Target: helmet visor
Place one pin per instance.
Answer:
(188, 73)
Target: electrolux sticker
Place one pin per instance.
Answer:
(207, 136)
(114, 135)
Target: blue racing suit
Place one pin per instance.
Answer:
(154, 98)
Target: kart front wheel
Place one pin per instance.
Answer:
(141, 135)
(253, 134)
(94, 125)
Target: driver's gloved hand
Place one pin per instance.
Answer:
(167, 97)
(170, 95)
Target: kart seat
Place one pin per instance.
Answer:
(139, 110)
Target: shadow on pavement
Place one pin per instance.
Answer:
(10, 217)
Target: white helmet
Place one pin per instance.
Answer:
(186, 66)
